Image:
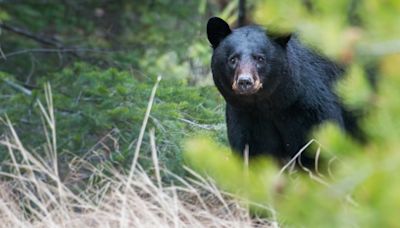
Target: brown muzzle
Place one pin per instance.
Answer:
(246, 80)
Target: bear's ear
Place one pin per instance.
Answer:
(282, 39)
(217, 30)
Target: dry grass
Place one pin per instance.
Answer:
(35, 196)
(32, 193)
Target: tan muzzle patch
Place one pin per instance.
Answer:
(254, 89)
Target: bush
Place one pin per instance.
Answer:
(94, 106)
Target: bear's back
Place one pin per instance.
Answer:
(309, 61)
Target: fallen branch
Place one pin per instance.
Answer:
(202, 126)
(30, 35)
(55, 50)
(17, 87)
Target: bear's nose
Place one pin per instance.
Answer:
(245, 82)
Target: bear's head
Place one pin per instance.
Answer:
(246, 61)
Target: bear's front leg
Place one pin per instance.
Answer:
(237, 124)
(255, 129)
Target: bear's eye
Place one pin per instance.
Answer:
(233, 60)
(260, 59)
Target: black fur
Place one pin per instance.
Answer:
(296, 93)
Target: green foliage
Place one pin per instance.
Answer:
(255, 184)
(89, 103)
(122, 34)
(333, 26)
(355, 88)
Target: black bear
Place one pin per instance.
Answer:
(276, 90)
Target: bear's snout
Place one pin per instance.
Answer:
(245, 82)
(246, 85)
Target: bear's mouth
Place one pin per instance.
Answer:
(247, 90)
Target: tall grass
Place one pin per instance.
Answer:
(33, 193)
